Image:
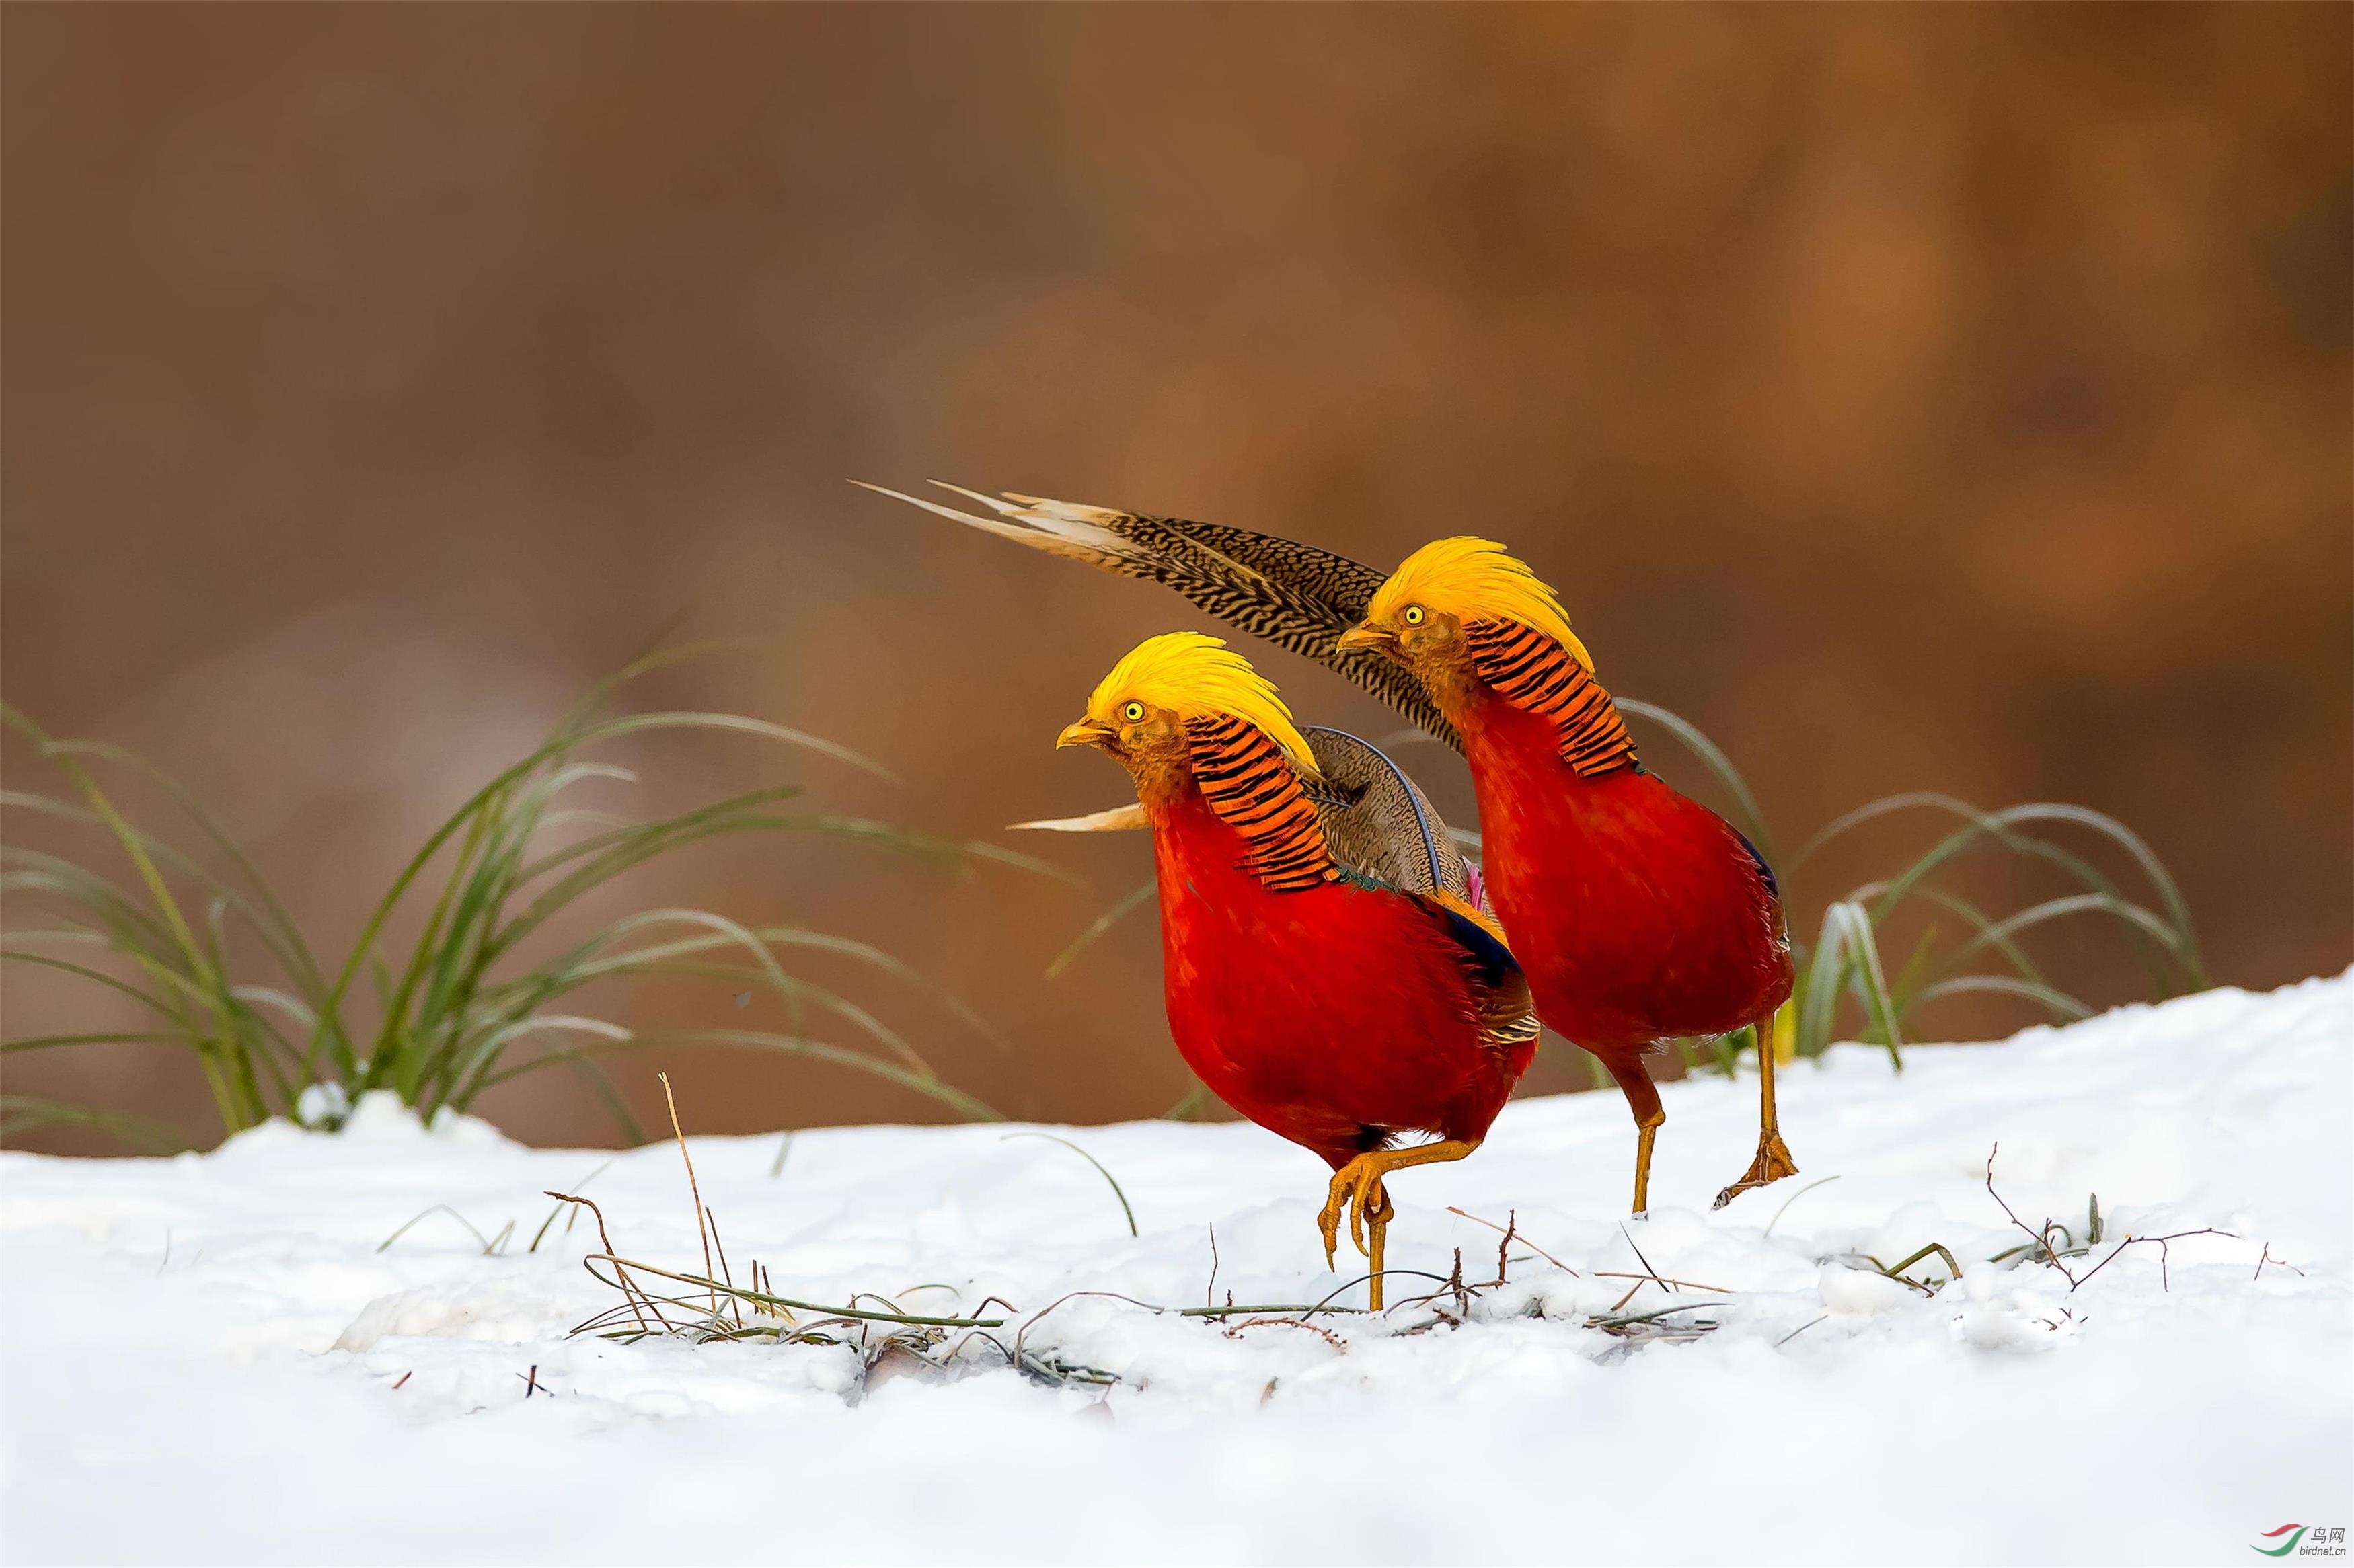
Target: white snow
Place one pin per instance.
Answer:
(207, 1359)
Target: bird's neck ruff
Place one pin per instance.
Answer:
(1245, 777)
(1473, 579)
(1531, 671)
(1196, 677)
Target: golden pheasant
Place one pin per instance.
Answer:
(1326, 971)
(1640, 914)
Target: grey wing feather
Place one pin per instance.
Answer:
(1376, 823)
(1293, 595)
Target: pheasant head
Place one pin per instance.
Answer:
(1418, 616)
(1154, 711)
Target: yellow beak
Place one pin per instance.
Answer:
(1086, 732)
(1363, 636)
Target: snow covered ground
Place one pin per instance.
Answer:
(207, 1359)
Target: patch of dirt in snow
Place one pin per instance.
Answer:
(216, 1357)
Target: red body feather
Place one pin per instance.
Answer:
(1334, 1015)
(1636, 913)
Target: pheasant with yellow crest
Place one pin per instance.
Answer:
(1328, 972)
(1640, 914)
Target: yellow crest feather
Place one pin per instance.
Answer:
(1474, 579)
(1193, 677)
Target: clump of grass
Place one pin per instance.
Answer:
(1845, 962)
(461, 1010)
(1841, 977)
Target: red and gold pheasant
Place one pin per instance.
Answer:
(1327, 973)
(1640, 914)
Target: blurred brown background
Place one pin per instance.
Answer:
(1914, 397)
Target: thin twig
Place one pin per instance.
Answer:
(1231, 1310)
(605, 1241)
(693, 1190)
(2077, 1281)
(1532, 1246)
(1235, 1330)
(2268, 1257)
(570, 1214)
(724, 1272)
(2165, 1281)
(2042, 1238)
(1663, 1279)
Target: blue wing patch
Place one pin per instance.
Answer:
(1494, 960)
(1764, 871)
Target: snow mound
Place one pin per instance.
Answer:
(217, 1357)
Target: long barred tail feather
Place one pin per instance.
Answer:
(1059, 532)
(1295, 596)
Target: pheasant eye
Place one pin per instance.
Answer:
(1412, 615)
(1132, 712)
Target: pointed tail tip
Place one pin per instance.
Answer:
(1002, 508)
(993, 524)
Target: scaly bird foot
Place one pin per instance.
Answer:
(1356, 1190)
(1772, 1163)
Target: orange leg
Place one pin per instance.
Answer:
(1357, 1188)
(1643, 1099)
(1773, 1161)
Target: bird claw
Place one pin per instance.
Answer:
(1772, 1163)
(1357, 1191)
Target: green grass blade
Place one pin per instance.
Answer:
(1128, 1212)
(2066, 1009)
(633, 833)
(1846, 959)
(124, 835)
(1987, 933)
(2177, 909)
(272, 917)
(600, 1084)
(1999, 828)
(1713, 758)
(956, 1099)
(285, 943)
(1097, 927)
(21, 1113)
(49, 1042)
(979, 850)
(468, 1076)
(99, 976)
(2175, 935)
(1864, 950)
(2055, 908)
(1192, 1103)
(1873, 811)
(578, 967)
(564, 744)
(742, 975)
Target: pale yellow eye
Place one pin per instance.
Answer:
(1132, 712)
(1412, 615)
